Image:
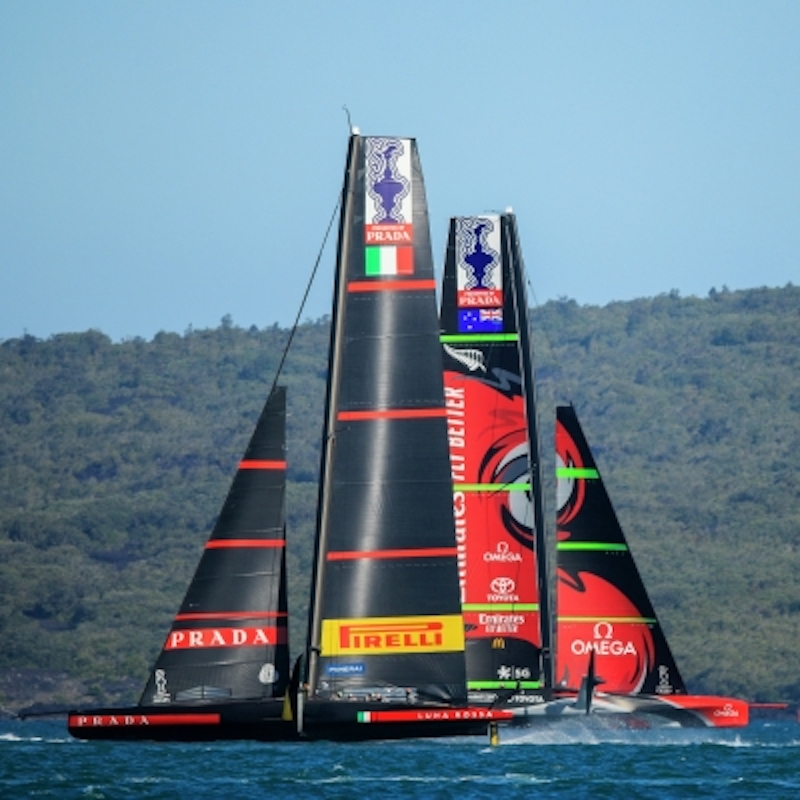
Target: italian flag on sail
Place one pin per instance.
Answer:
(389, 260)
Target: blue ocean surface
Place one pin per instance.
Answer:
(567, 760)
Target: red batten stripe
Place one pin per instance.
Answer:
(437, 715)
(429, 552)
(217, 543)
(394, 413)
(390, 286)
(233, 615)
(259, 464)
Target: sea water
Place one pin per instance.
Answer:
(564, 760)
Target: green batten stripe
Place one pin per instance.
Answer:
(500, 607)
(491, 487)
(504, 684)
(576, 472)
(590, 546)
(478, 337)
(362, 716)
(616, 620)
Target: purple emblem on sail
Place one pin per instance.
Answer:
(386, 185)
(477, 258)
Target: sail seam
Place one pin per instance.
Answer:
(479, 337)
(577, 472)
(234, 543)
(232, 615)
(391, 286)
(429, 552)
(392, 413)
(591, 546)
(618, 620)
(492, 487)
(504, 684)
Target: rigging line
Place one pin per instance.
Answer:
(545, 330)
(305, 296)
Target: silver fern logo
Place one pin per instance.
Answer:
(470, 358)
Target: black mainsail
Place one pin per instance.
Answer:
(224, 667)
(386, 634)
(494, 448)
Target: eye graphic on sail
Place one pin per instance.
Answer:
(505, 463)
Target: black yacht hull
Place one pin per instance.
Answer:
(352, 722)
(261, 721)
(322, 720)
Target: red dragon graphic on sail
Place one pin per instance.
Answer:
(594, 615)
(492, 498)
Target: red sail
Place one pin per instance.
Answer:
(493, 452)
(602, 603)
(604, 612)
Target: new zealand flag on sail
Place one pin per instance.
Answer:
(480, 320)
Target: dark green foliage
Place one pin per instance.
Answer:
(115, 460)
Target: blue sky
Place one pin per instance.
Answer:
(163, 164)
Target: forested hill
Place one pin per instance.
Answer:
(115, 460)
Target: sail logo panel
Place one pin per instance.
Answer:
(619, 636)
(390, 636)
(388, 226)
(198, 638)
(479, 273)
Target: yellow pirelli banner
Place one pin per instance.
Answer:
(375, 636)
